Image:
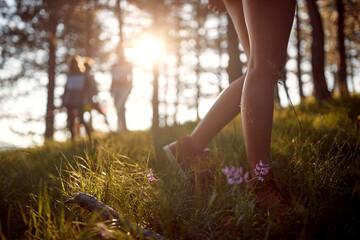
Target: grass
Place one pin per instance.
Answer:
(319, 161)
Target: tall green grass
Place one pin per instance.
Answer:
(318, 160)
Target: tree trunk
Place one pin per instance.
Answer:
(155, 99)
(351, 73)
(49, 120)
(235, 66)
(197, 72)
(89, 29)
(120, 21)
(200, 19)
(299, 57)
(318, 54)
(158, 30)
(89, 49)
(343, 88)
(177, 79)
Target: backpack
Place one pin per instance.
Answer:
(74, 91)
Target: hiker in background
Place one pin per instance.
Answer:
(121, 85)
(74, 96)
(91, 98)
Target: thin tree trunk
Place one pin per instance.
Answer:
(318, 53)
(89, 50)
(177, 79)
(49, 120)
(165, 102)
(155, 99)
(343, 88)
(352, 74)
(89, 27)
(198, 86)
(200, 20)
(121, 55)
(120, 21)
(157, 26)
(299, 57)
(178, 64)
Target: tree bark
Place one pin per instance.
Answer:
(177, 77)
(318, 53)
(155, 99)
(351, 73)
(299, 57)
(49, 120)
(342, 84)
(158, 30)
(89, 29)
(120, 21)
(200, 17)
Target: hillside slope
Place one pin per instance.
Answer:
(316, 155)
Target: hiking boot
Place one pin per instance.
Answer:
(270, 195)
(183, 155)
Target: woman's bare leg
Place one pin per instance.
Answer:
(269, 24)
(226, 107)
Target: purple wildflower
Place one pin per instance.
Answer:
(235, 176)
(226, 170)
(150, 177)
(230, 181)
(261, 169)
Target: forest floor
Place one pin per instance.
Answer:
(318, 157)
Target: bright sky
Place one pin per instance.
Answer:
(138, 115)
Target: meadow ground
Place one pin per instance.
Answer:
(318, 159)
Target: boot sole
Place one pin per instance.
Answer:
(172, 159)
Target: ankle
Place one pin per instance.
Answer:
(185, 147)
(194, 144)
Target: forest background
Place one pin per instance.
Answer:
(183, 55)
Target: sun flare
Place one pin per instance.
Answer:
(149, 50)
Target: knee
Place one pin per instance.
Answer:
(271, 67)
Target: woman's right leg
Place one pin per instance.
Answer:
(227, 105)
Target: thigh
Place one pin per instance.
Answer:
(236, 12)
(269, 23)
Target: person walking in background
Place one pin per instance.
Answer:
(91, 98)
(74, 97)
(263, 28)
(121, 85)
